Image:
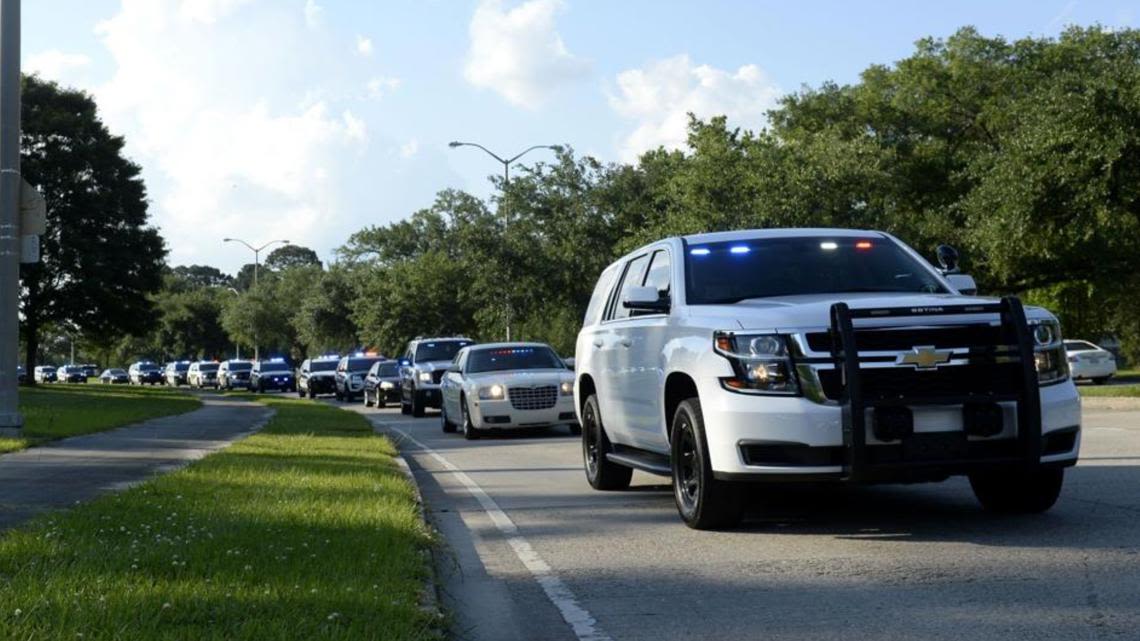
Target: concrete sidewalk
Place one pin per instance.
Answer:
(64, 472)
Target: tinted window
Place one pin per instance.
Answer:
(208, 367)
(242, 367)
(601, 295)
(633, 277)
(360, 364)
(388, 370)
(659, 273)
(728, 272)
(1079, 346)
(322, 366)
(439, 350)
(181, 367)
(273, 366)
(510, 358)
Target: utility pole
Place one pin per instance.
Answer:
(256, 265)
(11, 423)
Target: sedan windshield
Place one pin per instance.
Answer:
(511, 358)
(388, 370)
(1079, 346)
(439, 350)
(729, 272)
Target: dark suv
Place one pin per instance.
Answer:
(273, 374)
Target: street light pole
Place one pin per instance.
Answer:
(11, 422)
(507, 162)
(256, 264)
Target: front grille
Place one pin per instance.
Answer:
(888, 383)
(533, 398)
(437, 375)
(886, 339)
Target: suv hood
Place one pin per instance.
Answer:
(789, 313)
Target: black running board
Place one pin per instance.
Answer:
(642, 460)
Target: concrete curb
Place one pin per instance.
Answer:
(1120, 403)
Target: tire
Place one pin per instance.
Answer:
(367, 403)
(444, 423)
(1018, 491)
(417, 405)
(381, 401)
(601, 473)
(575, 429)
(703, 502)
(469, 431)
(1101, 380)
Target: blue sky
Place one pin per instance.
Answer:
(310, 119)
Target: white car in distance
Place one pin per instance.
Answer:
(507, 386)
(1089, 362)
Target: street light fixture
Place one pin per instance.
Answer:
(507, 162)
(256, 265)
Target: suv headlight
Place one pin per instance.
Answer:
(1049, 352)
(760, 363)
(567, 388)
(494, 392)
(425, 377)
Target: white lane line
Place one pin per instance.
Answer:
(583, 624)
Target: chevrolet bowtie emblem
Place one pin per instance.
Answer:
(925, 357)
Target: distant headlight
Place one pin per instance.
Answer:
(567, 388)
(494, 392)
(425, 377)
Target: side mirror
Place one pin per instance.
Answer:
(646, 299)
(569, 362)
(964, 283)
(947, 258)
(453, 369)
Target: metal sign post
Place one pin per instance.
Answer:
(10, 237)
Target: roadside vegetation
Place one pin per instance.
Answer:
(60, 410)
(306, 530)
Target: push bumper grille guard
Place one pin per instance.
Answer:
(1016, 347)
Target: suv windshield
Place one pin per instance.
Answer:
(729, 272)
(240, 367)
(273, 366)
(148, 367)
(509, 358)
(181, 367)
(361, 364)
(207, 367)
(322, 366)
(439, 350)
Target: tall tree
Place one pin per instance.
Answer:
(100, 258)
(288, 256)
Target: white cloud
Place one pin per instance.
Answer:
(519, 53)
(660, 96)
(228, 143)
(313, 13)
(55, 64)
(363, 46)
(410, 148)
(380, 86)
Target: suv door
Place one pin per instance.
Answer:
(644, 380)
(611, 354)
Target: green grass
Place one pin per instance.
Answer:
(306, 530)
(1109, 390)
(59, 410)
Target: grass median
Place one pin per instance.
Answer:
(59, 410)
(306, 530)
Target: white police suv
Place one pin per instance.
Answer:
(817, 354)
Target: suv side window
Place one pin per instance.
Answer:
(601, 295)
(658, 276)
(634, 275)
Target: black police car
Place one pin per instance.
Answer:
(273, 374)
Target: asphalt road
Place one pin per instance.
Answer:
(533, 553)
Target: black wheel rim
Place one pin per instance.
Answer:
(687, 476)
(591, 433)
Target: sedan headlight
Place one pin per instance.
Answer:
(425, 377)
(567, 388)
(386, 385)
(1049, 356)
(760, 363)
(494, 392)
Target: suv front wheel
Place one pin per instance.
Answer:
(703, 502)
(601, 473)
(1018, 491)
